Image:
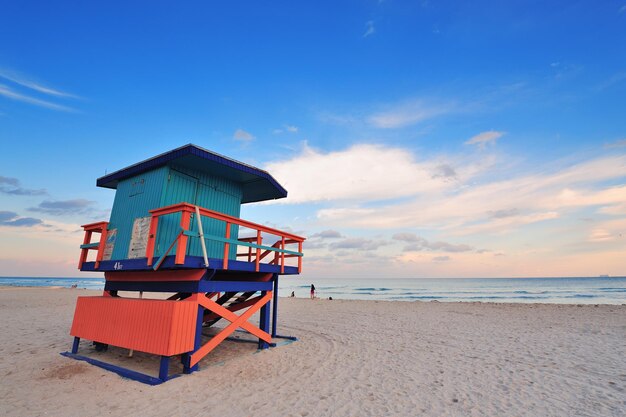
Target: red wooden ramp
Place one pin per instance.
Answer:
(156, 326)
(166, 327)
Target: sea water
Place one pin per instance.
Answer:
(85, 283)
(600, 290)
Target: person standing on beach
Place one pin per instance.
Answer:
(312, 291)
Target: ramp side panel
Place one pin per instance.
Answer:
(160, 327)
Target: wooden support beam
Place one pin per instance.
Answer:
(154, 223)
(233, 308)
(226, 247)
(181, 249)
(236, 322)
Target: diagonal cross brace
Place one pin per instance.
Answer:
(229, 315)
(233, 308)
(236, 322)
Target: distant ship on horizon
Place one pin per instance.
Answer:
(604, 276)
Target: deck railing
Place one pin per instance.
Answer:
(256, 250)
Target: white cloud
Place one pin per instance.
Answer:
(614, 210)
(358, 243)
(409, 113)
(13, 95)
(243, 136)
(375, 187)
(417, 243)
(327, 234)
(600, 235)
(465, 208)
(286, 128)
(359, 173)
(617, 144)
(485, 138)
(505, 225)
(33, 85)
(369, 28)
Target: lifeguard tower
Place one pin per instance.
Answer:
(175, 228)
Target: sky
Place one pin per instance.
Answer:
(416, 139)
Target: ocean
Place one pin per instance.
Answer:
(599, 290)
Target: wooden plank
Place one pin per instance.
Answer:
(154, 326)
(239, 321)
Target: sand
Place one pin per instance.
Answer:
(353, 358)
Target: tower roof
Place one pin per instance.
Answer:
(257, 185)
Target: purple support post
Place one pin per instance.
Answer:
(264, 322)
(75, 345)
(164, 368)
(186, 359)
(275, 306)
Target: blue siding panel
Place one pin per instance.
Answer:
(217, 194)
(169, 185)
(134, 198)
(180, 188)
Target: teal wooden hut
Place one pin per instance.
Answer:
(175, 227)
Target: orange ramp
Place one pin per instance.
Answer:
(161, 327)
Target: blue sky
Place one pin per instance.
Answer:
(420, 139)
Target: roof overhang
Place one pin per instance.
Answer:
(257, 185)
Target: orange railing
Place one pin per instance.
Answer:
(256, 250)
(90, 229)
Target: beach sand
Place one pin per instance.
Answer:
(353, 358)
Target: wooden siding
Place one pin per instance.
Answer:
(217, 194)
(133, 198)
(160, 327)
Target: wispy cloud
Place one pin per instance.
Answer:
(9, 185)
(64, 207)
(359, 244)
(243, 136)
(485, 138)
(327, 234)
(611, 81)
(361, 173)
(417, 243)
(24, 81)
(409, 113)
(12, 219)
(286, 128)
(369, 28)
(617, 144)
(496, 205)
(377, 187)
(444, 171)
(501, 214)
(600, 235)
(13, 95)
(23, 88)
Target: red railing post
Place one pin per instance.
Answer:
(259, 239)
(226, 246)
(101, 246)
(181, 249)
(83, 252)
(185, 209)
(154, 223)
(282, 256)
